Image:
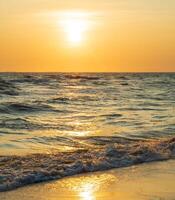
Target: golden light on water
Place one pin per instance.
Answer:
(75, 26)
(121, 184)
(87, 188)
(87, 192)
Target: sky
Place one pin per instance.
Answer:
(87, 35)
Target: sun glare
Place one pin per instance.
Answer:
(75, 25)
(75, 29)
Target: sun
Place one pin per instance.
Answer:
(75, 28)
(75, 25)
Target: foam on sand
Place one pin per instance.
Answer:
(151, 181)
(113, 152)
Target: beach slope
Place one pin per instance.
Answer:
(151, 181)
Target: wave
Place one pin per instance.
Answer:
(87, 77)
(112, 116)
(123, 77)
(27, 124)
(10, 107)
(76, 100)
(33, 79)
(7, 88)
(141, 109)
(18, 123)
(109, 152)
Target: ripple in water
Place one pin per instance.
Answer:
(47, 117)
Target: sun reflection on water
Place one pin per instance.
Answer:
(87, 188)
(87, 192)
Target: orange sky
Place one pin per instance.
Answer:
(88, 35)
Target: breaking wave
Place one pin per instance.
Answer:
(58, 124)
(108, 153)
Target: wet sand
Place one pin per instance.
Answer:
(152, 181)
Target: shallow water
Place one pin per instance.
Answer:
(47, 112)
(153, 181)
(57, 125)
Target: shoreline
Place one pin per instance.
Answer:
(144, 182)
(21, 171)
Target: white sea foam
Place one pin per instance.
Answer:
(58, 124)
(18, 171)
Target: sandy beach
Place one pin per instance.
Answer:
(87, 100)
(153, 181)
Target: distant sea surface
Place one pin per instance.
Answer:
(56, 125)
(51, 111)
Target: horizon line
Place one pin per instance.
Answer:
(86, 72)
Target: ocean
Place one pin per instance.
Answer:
(58, 124)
